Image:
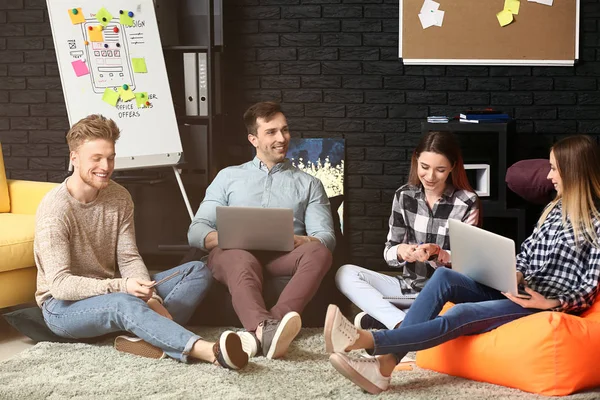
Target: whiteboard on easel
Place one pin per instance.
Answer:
(111, 63)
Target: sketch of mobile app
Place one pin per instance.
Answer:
(109, 61)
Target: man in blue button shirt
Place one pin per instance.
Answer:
(269, 180)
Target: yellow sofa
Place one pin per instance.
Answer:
(18, 203)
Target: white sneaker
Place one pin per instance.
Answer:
(339, 332)
(363, 372)
(250, 343)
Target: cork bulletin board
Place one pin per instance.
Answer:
(471, 34)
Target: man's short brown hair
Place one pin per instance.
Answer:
(265, 110)
(92, 127)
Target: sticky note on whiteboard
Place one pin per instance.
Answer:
(141, 99)
(103, 16)
(96, 35)
(126, 94)
(139, 65)
(125, 19)
(76, 16)
(110, 96)
(80, 68)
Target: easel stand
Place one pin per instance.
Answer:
(183, 192)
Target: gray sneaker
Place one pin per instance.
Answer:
(277, 335)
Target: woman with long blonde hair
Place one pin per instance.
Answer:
(559, 267)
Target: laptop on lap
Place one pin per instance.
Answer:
(483, 256)
(255, 228)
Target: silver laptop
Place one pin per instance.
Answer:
(255, 228)
(483, 256)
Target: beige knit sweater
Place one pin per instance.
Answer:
(81, 249)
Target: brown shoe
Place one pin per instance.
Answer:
(276, 336)
(138, 347)
(228, 351)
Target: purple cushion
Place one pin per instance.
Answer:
(527, 178)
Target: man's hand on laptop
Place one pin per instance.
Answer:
(300, 240)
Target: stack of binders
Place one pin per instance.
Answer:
(196, 84)
(483, 116)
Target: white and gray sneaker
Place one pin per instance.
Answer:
(339, 332)
(276, 336)
(363, 372)
(250, 342)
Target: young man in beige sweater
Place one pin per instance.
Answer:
(91, 279)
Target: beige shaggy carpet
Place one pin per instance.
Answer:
(82, 371)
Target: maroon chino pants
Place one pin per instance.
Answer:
(242, 272)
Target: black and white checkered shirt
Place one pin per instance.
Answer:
(558, 268)
(413, 222)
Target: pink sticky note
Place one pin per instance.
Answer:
(80, 68)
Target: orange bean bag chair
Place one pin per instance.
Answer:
(549, 353)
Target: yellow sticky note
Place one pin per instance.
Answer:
(76, 16)
(141, 99)
(139, 65)
(124, 18)
(96, 35)
(110, 96)
(103, 16)
(512, 6)
(504, 17)
(126, 94)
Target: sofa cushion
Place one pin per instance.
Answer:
(4, 199)
(528, 179)
(550, 353)
(16, 241)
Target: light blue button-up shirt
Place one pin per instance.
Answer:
(253, 185)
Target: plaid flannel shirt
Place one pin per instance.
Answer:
(557, 267)
(413, 222)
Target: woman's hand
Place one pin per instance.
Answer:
(425, 251)
(521, 279)
(536, 301)
(413, 252)
(406, 252)
(443, 257)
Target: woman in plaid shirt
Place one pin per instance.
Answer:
(559, 264)
(437, 190)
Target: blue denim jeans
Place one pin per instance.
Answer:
(478, 309)
(115, 312)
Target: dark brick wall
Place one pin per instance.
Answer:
(334, 66)
(33, 117)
